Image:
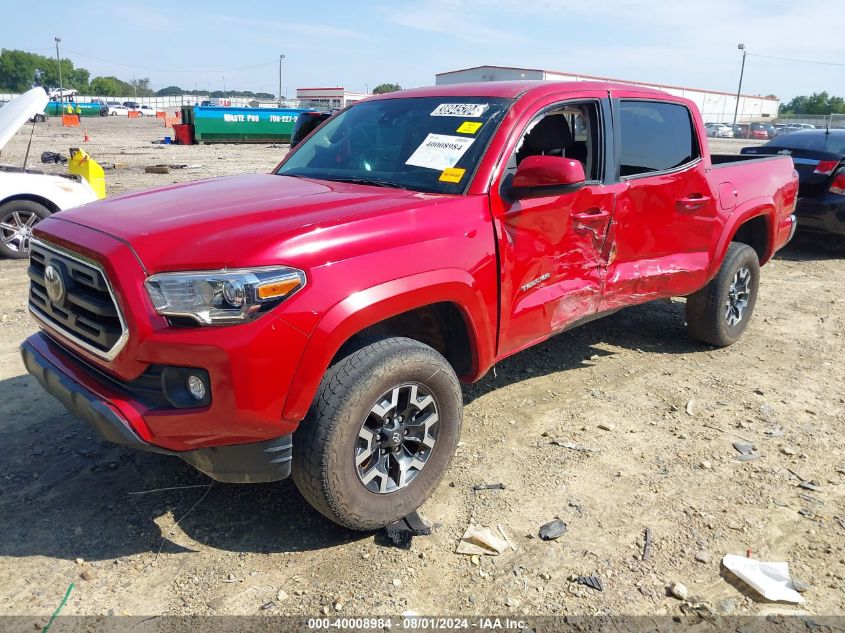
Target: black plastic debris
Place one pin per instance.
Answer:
(593, 582)
(404, 530)
(496, 486)
(552, 530)
(53, 157)
(647, 544)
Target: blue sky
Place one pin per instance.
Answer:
(360, 44)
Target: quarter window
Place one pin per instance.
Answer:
(655, 137)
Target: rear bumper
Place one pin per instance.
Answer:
(825, 214)
(255, 462)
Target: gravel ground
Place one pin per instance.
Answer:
(659, 411)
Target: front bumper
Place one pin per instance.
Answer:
(254, 462)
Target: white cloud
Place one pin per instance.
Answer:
(452, 19)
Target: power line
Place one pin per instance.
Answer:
(792, 59)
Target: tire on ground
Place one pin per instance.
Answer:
(22, 207)
(706, 309)
(324, 444)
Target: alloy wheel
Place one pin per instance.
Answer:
(738, 295)
(16, 230)
(397, 438)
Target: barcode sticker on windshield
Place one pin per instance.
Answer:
(440, 151)
(466, 110)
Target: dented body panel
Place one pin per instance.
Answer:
(515, 271)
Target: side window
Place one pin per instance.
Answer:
(655, 137)
(571, 131)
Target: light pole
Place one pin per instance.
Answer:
(281, 57)
(59, 62)
(741, 73)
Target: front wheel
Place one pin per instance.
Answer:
(17, 218)
(380, 434)
(719, 313)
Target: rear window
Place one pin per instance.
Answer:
(833, 142)
(656, 136)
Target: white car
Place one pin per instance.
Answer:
(720, 130)
(29, 196)
(116, 109)
(146, 110)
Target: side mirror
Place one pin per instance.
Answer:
(539, 176)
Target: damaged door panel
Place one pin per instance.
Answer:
(665, 215)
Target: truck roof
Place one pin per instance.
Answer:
(514, 89)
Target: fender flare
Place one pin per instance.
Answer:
(365, 308)
(757, 207)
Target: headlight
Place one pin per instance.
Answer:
(222, 297)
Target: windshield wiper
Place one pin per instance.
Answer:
(369, 181)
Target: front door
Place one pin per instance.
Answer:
(550, 247)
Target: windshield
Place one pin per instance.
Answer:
(430, 144)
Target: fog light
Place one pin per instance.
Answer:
(196, 387)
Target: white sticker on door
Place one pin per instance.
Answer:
(440, 151)
(467, 110)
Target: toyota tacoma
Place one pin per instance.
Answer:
(317, 321)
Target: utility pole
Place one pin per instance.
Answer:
(281, 57)
(59, 61)
(741, 73)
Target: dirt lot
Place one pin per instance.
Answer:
(659, 411)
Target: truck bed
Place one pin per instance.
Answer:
(723, 160)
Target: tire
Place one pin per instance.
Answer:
(328, 444)
(17, 217)
(719, 313)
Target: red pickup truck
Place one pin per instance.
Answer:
(316, 321)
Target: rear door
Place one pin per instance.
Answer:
(550, 247)
(665, 215)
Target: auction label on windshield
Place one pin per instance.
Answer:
(452, 174)
(469, 127)
(440, 151)
(466, 110)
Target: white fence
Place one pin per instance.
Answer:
(166, 103)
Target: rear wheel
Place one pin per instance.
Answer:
(380, 434)
(17, 218)
(719, 313)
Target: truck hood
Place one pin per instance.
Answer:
(237, 221)
(18, 111)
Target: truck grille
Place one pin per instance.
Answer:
(73, 298)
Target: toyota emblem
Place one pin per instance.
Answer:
(397, 437)
(54, 283)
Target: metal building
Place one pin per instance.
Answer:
(329, 97)
(715, 106)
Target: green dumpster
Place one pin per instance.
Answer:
(243, 125)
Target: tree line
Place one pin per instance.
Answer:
(20, 71)
(816, 103)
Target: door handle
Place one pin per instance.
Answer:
(589, 217)
(692, 203)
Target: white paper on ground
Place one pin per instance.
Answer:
(481, 541)
(440, 151)
(770, 579)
